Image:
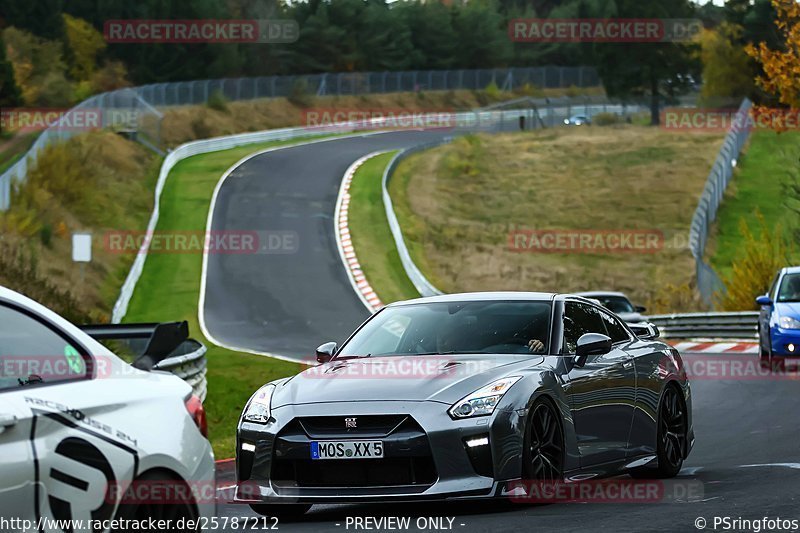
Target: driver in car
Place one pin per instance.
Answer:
(448, 341)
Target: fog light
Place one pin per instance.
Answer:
(483, 441)
(480, 454)
(248, 447)
(790, 347)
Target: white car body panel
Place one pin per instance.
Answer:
(136, 420)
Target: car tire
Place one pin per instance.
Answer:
(764, 354)
(671, 439)
(181, 504)
(286, 511)
(543, 444)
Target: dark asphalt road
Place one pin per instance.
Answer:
(289, 303)
(737, 423)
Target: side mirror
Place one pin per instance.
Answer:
(591, 344)
(640, 308)
(645, 330)
(325, 352)
(764, 300)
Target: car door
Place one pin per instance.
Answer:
(55, 461)
(602, 392)
(16, 461)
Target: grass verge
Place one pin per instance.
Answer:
(459, 204)
(170, 286)
(371, 235)
(757, 186)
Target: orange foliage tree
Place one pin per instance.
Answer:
(781, 68)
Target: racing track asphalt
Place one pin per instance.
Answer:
(737, 423)
(289, 303)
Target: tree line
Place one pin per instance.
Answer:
(60, 42)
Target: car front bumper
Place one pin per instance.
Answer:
(784, 339)
(426, 456)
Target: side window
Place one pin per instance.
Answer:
(32, 352)
(615, 330)
(578, 320)
(773, 290)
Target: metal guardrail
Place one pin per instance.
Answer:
(180, 153)
(708, 283)
(189, 366)
(134, 109)
(740, 325)
(468, 121)
(421, 283)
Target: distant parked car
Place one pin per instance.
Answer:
(618, 303)
(779, 321)
(578, 120)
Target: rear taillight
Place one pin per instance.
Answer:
(198, 414)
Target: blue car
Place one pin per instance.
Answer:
(779, 321)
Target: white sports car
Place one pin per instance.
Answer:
(87, 441)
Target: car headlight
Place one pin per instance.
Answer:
(258, 408)
(788, 322)
(483, 401)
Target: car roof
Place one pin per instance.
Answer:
(791, 270)
(487, 297)
(593, 294)
(479, 296)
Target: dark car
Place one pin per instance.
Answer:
(462, 396)
(779, 320)
(618, 303)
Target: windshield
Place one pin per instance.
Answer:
(454, 328)
(790, 288)
(616, 304)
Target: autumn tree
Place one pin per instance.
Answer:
(728, 72)
(781, 66)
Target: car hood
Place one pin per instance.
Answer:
(414, 378)
(791, 309)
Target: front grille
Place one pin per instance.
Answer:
(407, 460)
(326, 427)
(349, 473)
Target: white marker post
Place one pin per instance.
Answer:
(82, 250)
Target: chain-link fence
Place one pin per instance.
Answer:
(708, 283)
(122, 110)
(132, 111)
(355, 83)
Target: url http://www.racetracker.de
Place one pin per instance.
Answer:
(249, 523)
(756, 525)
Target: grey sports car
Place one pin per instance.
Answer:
(464, 396)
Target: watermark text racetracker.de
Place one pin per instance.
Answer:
(616, 490)
(722, 120)
(609, 30)
(30, 119)
(200, 31)
(246, 523)
(383, 118)
(738, 367)
(591, 241)
(198, 242)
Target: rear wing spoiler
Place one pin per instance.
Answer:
(162, 339)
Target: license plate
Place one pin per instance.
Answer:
(367, 449)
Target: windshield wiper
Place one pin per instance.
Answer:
(343, 357)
